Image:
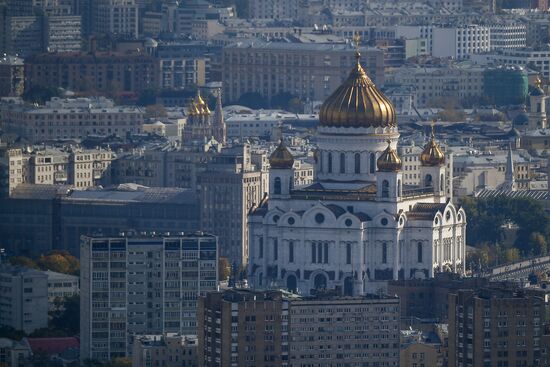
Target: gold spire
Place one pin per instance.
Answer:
(281, 158)
(357, 102)
(389, 160)
(432, 155)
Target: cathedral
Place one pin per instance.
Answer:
(357, 226)
(201, 124)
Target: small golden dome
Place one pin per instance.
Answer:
(389, 160)
(192, 109)
(281, 158)
(202, 106)
(432, 155)
(357, 103)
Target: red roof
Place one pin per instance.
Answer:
(52, 346)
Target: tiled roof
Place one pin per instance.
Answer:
(52, 346)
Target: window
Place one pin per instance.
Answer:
(372, 163)
(385, 189)
(275, 249)
(313, 253)
(319, 253)
(442, 183)
(357, 163)
(291, 252)
(326, 253)
(428, 181)
(277, 186)
(261, 247)
(348, 253)
(419, 252)
(399, 188)
(384, 253)
(330, 163)
(342, 163)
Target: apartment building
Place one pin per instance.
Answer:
(459, 42)
(70, 118)
(495, 327)
(116, 17)
(61, 286)
(246, 328)
(309, 71)
(229, 186)
(104, 72)
(23, 298)
(142, 285)
(12, 76)
(538, 58)
(170, 350)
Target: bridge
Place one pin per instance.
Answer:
(519, 270)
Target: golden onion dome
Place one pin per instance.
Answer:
(389, 160)
(281, 158)
(202, 106)
(432, 155)
(193, 110)
(357, 103)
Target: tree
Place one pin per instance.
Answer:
(67, 317)
(11, 333)
(59, 261)
(281, 100)
(119, 362)
(147, 97)
(511, 255)
(296, 105)
(538, 243)
(54, 262)
(155, 110)
(23, 261)
(253, 100)
(224, 269)
(40, 94)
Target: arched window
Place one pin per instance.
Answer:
(399, 188)
(277, 186)
(320, 281)
(342, 163)
(372, 163)
(442, 183)
(357, 163)
(313, 253)
(348, 286)
(385, 189)
(261, 247)
(290, 252)
(291, 283)
(348, 253)
(384, 253)
(330, 163)
(319, 253)
(428, 180)
(419, 252)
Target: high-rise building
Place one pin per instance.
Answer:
(143, 285)
(246, 328)
(495, 327)
(115, 17)
(23, 298)
(12, 76)
(230, 185)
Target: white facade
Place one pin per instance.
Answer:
(459, 42)
(508, 36)
(357, 226)
(540, 59)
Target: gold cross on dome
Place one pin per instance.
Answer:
(357, 40)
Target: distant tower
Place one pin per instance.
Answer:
(510, 177)
(220, 130)
(433, 166)
(537, 102)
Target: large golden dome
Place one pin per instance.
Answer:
(281, 158)
(357, 103)
(389, 160)
(432, 155)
